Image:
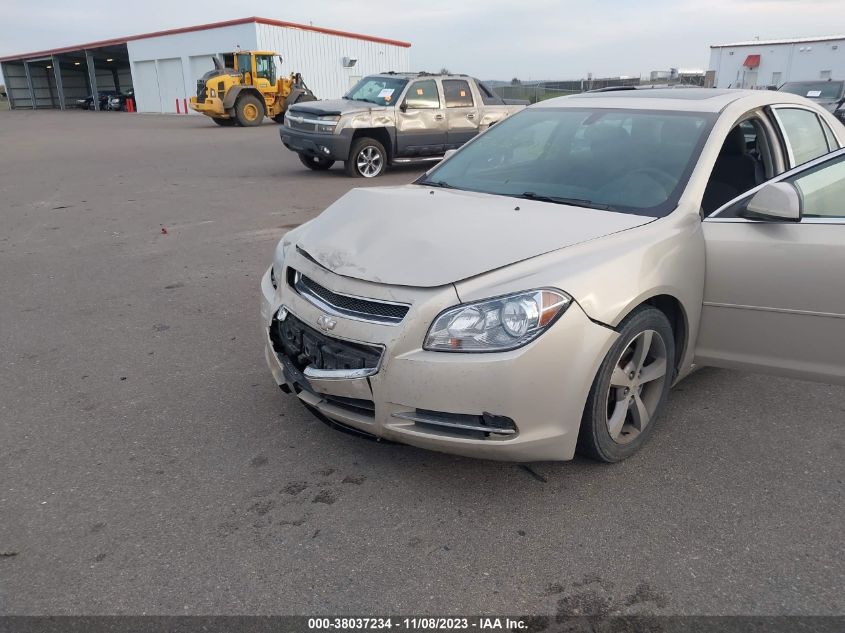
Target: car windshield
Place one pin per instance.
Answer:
(378, 90)
(620, 160)
(815, 90)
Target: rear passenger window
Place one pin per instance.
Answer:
(832, 143)
(804, 134)
(423, 94)
(457, 93)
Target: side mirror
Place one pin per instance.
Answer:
(403, 106)
(778, 202)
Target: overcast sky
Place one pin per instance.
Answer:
(492, 39)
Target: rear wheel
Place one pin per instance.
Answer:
(224, 122)
(249, 111)
(630, 388)
(317, 163)
(367, 159)
(279, 118)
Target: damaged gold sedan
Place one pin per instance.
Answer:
(541, 290)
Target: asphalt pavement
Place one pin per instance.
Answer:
(150, 465)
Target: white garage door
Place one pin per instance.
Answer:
(171, 84)
(146, 87)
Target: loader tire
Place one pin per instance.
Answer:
(225, 122)
(249, 111)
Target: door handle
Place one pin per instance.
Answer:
(438, 117)
(470, 115)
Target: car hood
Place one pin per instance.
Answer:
(333, 106)
(418, 236)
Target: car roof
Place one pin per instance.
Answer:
(685, 99)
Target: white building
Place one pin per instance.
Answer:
(163, 67)
(764, 63)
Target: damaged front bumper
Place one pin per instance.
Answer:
(521, 405)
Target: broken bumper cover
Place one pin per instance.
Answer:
(522, 405)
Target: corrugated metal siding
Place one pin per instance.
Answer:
(318, 56)
(16, 86)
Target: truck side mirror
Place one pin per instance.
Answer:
(403, 106)
(777, 202)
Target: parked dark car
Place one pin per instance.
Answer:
(88, 102)
(828, 94)
(118, 101)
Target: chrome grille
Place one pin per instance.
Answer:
(359, 308)
(301, 121)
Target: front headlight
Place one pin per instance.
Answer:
(327, 123)
(496, 325)
(277, 269)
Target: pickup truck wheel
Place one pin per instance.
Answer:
(249, 111)
(367, 159)
(224, 122)
(317, 163)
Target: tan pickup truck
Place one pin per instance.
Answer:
(392, 118)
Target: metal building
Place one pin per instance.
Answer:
(163, 67)
(771, 63)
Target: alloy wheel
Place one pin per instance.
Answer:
(636, 386)
(369, 161)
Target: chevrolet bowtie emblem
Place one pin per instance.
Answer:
(326, 323)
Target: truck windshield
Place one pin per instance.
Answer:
(631, 161)
(378, 90)
(815, 89)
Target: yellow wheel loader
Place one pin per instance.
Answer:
(249, 91)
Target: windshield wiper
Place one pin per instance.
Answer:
(436, 183)
(575, 202)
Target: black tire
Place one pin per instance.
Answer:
(279, 118)
(224, 122)
(359, 166)
(317, 163)
(635, 400)
(249, 111)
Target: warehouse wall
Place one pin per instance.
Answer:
(163, 68)
(74, 84)
(779, 63)
(318, 56)
(14, 78)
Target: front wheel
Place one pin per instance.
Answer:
(224, 122)
(367, 159)
(249, 111)
(630, 388)
(317, 163)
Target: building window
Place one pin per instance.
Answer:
(826, 74)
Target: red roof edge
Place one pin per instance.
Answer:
(205, 27)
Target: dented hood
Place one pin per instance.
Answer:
(419, 236)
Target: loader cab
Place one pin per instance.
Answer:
(257, 68)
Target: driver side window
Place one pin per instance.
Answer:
(822, 190)
(744, 162)
(422, 95)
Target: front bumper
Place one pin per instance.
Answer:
(212, 106)
(331, 146)
(541, 387)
